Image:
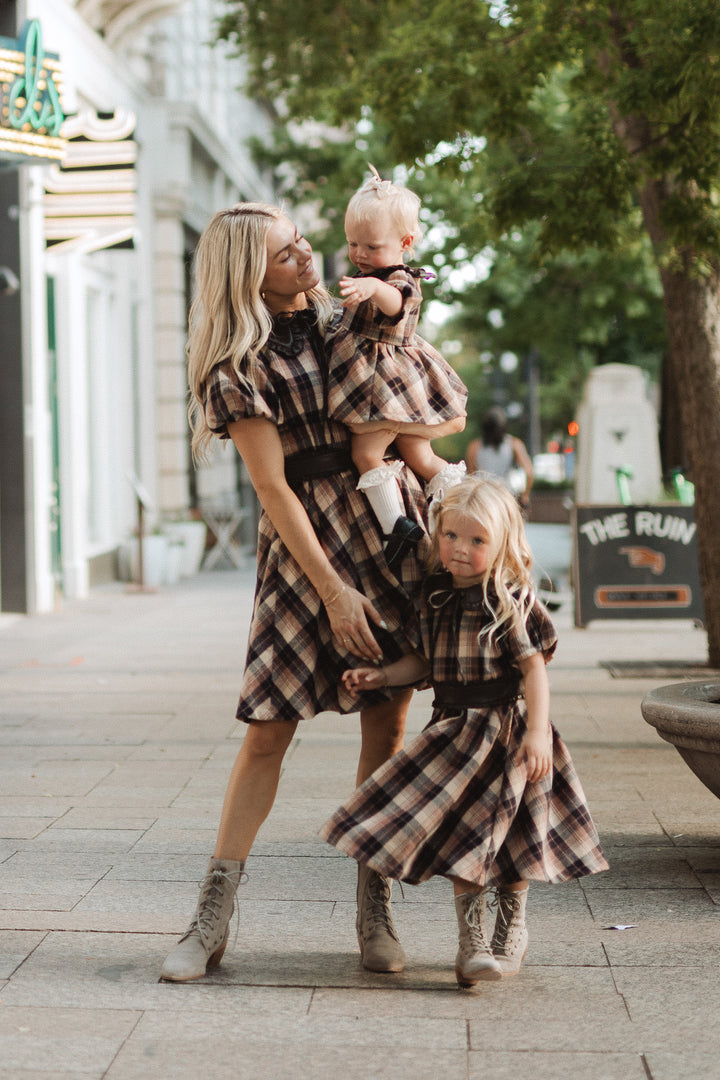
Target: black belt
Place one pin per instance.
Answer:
(475, 694)
(317, 463)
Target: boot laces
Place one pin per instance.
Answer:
(508, 929)
(378, 910)
(205, 920)
(475, 921)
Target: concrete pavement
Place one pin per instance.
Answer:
(116, 739)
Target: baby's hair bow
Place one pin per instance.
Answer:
(375, 183)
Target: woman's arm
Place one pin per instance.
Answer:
(537, 742)
(258, 443)
(524, 462)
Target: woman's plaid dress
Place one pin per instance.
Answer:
(293, 668)
(381, 370)
(455, 801)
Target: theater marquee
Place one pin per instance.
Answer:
(31, 114)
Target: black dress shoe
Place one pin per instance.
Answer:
(401, 541)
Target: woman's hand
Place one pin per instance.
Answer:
(350, 614)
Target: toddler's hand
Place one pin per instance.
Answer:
(354, 290)
(355, 680)
(537, 747)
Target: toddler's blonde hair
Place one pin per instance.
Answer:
(486, 500)
(378, 196)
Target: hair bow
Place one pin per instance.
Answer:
(375, 183)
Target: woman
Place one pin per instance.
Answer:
(258, 375)
(499, 454)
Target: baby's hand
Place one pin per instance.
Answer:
(537, 748)
(355, 680)
(354, 290)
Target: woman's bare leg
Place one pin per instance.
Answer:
(383, 731)
(252, 786)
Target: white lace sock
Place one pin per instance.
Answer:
(383, 493)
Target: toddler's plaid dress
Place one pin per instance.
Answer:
(381, 369)
(455, 801)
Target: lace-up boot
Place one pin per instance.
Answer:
(510, 937)
(380, 947)
(474, 960)
(203, 943)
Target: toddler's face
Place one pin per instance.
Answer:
(375, 244)
(463, 547)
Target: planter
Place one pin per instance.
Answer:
(192, 536)
(155, 561)
(688, 716)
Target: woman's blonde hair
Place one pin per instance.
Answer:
(401, 204)
(228, 318)
(486, 500)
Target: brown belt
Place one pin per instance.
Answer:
(475, 694)
(317, 463)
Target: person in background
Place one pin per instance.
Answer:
(500, 454)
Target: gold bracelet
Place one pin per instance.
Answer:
(338, 594)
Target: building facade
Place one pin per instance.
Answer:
(155, 140)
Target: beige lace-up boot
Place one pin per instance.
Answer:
(203, 943)
(380, 947)
(474, 960)
(510, 937)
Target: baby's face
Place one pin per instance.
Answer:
(375, 244)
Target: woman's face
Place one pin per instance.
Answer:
(290, 269)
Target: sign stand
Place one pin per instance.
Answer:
(636, 562)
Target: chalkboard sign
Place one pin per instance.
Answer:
(636, 562)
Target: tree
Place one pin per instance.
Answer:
(567, 115)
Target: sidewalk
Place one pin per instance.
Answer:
(117, 736)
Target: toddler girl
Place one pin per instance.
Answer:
(487, 794)
(386, 383)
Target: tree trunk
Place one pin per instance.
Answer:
(692, 307)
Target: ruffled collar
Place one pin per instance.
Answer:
(291, 330)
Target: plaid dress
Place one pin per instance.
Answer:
(381, 370)
(293, 667)
(455, 801)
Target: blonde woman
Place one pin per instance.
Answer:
(325, 595)
(487, 794)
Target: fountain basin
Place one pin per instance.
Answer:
(687, 715)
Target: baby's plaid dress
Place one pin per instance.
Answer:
(381, 369)
(455, 801)
(293, 668)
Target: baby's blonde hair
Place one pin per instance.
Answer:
(486, 500)
(378, 196)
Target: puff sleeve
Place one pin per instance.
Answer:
(231, 396)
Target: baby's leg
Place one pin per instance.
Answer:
(439, 475)
(417, 452)
(378, 479)
(368, 446)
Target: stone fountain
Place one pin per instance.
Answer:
(688, 716)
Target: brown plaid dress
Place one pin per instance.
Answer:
(293, 668)
(455, 801)
(380, 369)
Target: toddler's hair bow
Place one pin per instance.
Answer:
(375, 183)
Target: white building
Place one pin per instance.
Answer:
(157, 132)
